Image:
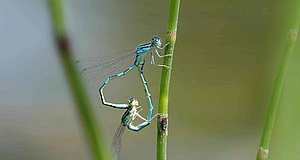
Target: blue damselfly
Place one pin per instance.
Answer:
(96, 68)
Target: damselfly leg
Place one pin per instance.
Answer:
(160, 56)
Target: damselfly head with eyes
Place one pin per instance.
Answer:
(156, 42)
(133, 102)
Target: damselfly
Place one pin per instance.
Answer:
(95, 68)
(131, 113)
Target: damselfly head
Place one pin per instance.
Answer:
(133, 102)
(156, 41)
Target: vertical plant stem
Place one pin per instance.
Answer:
(271, 116)
(93, 133)
(162, 123)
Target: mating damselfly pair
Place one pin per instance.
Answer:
(96, 68)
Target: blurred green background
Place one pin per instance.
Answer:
(225, 64)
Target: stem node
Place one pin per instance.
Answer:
(163, 123)
(262, 154)
(171, 35)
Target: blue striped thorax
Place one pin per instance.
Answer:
(146, 47)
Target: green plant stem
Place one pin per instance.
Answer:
(271, 116)
(93, 133)
(162, 122)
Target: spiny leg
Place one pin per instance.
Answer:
(119, 106)
(153, 61)
(161, 56)
(144, 119)
(152, 58)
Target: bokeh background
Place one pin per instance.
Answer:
(225, 64)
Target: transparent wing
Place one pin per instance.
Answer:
(98, 68)
(115, 148)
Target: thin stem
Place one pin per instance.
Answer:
(162, 123)
(93, 133)
(289, 46)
